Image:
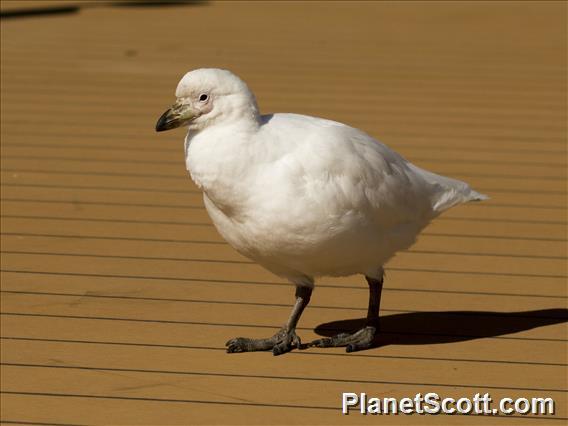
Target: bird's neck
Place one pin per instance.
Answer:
(221, 160)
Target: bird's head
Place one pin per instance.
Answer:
(208, 96)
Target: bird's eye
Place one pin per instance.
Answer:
(203, 97)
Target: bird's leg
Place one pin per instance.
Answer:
(285, 339)
(361, 339)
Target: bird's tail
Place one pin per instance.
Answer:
(447, 192)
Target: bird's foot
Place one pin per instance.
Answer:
(362, 339)
(282, 342)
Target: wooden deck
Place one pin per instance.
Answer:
(118, 294)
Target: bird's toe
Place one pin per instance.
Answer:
(296, 341)
(238, 344)
(321, 343)
(362, 339)
(281, 348)
(289, 340)
(232, 341)
(357, 346)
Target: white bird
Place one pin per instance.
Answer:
(302, 196)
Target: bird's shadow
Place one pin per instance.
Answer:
(427, 328)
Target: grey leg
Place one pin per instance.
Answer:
(285, 339)
(361, 339)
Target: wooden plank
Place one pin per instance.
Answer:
(42, 193)
(161, 360)
(437, 349)
(445, 166)
(548, 220)
(222, 251)
(554, 267)
(82, 182)
(428, 243)
(524, 325)
(105, 410)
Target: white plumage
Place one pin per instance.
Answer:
(303, 196)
